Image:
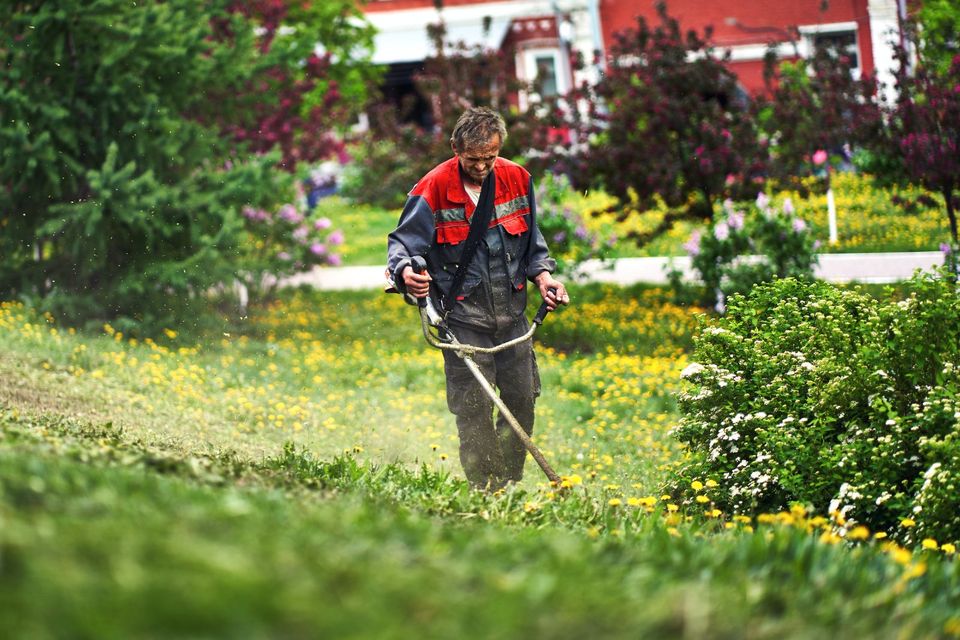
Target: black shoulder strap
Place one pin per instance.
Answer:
(478, 227)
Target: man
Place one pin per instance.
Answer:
(489, 307)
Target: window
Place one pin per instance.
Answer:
(547, 75)
(544, 65)
(843, 42)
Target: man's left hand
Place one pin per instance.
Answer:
(552, 291)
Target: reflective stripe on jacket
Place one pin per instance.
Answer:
(436, 221)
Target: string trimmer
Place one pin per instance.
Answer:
(438, 335)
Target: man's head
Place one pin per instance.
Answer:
(476, 139)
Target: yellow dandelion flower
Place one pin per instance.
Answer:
(930, 544)
(702, 499)
(672, 508)
(948, 548)
(907, 522)
(711, 484)
(858, 533)
(614, 502)
(696, 485)
(880, 535)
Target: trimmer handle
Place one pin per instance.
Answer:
(543, 311)
(419, 265)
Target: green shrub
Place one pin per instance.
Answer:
(748, 246)
(805, 392)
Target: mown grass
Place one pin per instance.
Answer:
(299, 479)
(104, 537)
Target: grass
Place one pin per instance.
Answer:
(366, 228)
(299, 479)
(104, 538)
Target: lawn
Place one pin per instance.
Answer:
(296, 476)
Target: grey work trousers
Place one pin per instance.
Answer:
(490, 453)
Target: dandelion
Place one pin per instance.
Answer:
(930, 544)
(907, 523)
(858, 533)
(711, 484)
(702, 499)
(948, 548)
(614, 502)
(696, 485)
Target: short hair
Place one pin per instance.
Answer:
(475, 126)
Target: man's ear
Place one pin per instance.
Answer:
(454, 148)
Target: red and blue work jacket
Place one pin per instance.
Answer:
(435, 223)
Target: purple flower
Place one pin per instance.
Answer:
(721, 231)
(283, 255)
(257, 215)
(735, 220)
(289, 213)
(788, 206)
(728, 206)
(322, 223)
(762, 201)
(334, 259)
(817, 244)
(581, 232)
(300, 234)
(318, 249)
(692, 246)
(336, 237)
(799, 225)
(559, 237)
(945, 248)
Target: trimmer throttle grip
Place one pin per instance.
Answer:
(419, 265)
(543, 310)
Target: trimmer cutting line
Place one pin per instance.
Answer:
(438, 335)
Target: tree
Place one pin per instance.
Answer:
(673, 124)
(925, 127)
(120, 194)
(937, 39)
(311, 75)
(816, 104)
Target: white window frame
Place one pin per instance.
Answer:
(527, 64)
(808, 35)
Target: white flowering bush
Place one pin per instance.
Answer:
(748, 245)
(805, 392)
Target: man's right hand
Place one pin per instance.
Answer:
(417, 284)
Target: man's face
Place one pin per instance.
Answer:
(477, 162)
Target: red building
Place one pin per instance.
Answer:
(541, 31)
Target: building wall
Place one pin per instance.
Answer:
(742, 27)
(746, 27)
